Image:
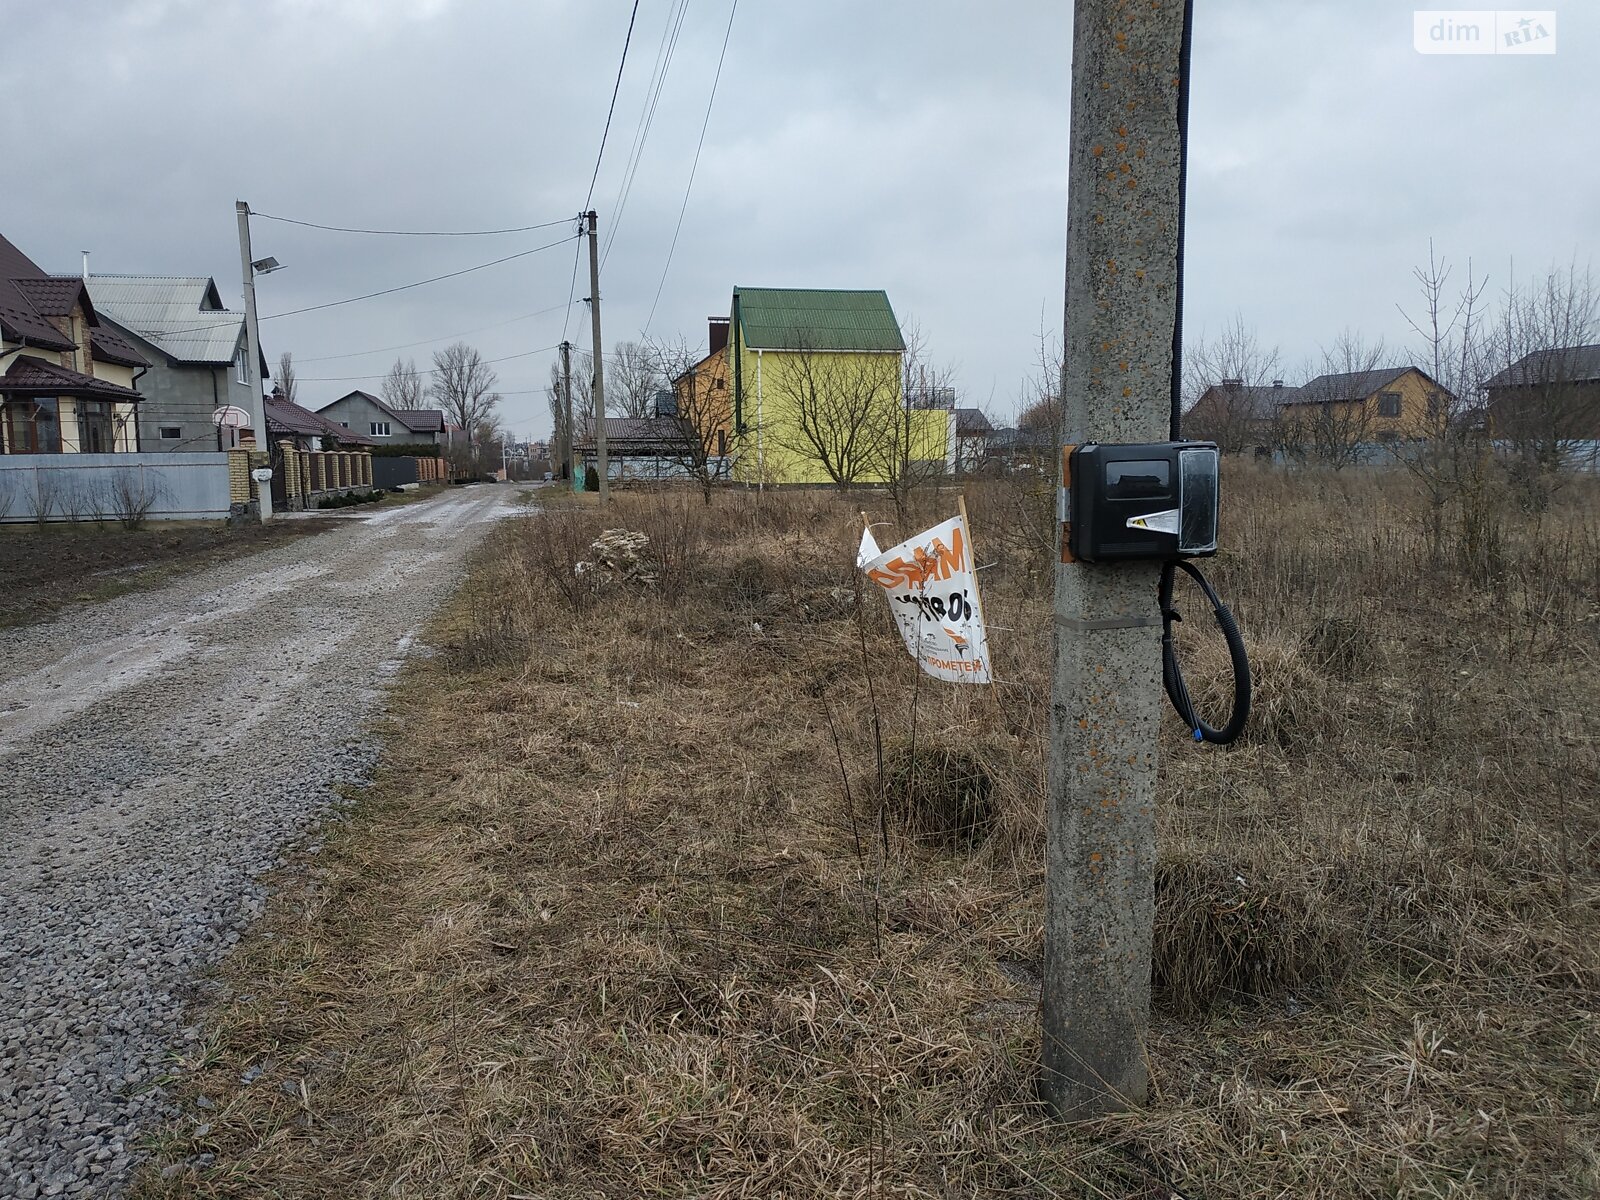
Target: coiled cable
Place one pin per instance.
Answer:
(1172, 670)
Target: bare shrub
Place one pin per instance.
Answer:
(133, 496)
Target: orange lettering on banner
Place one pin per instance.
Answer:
(955, 664)
(937, 562)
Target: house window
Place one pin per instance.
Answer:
(344, 424)
(1389, 404)
(96, 427)
(380, 429)
(33, 427)
(172, 433)
(242, 363)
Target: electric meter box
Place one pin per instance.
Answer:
(1153, 501)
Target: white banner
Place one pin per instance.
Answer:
(932, 588)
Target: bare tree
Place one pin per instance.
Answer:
(1328, 421)
(913, 447)
(633, 378)
(843, 411)
(463, 386)
(1039, 415)
(1535, 409)
(1229, 380)
(1451, 464)
(402, 387)
(702, 414)
(288, 381)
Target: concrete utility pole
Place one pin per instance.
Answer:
(1122, 312)
(252, 350)
(599, 360)
(565, 448)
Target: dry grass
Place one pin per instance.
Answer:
(655, 895)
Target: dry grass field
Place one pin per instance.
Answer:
(691, 887)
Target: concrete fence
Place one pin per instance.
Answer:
(109, 487)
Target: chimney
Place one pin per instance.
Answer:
(1278, 383)
(719, 333)
(1232, 385)
(86, 266)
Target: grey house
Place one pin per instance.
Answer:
(195, 348)
(365, 414)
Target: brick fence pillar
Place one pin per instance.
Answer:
(238, 476)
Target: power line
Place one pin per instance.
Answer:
(677, 11)
(428, 371)
(695, 166)
(615, 88)
(442, 338)
(294, 312)
(166, 333)
(572, 289)
(411, 232)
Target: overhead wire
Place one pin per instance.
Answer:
(293, 312)
(422, 371)
(676, 13)
(615, 88)
(693, 167)
(441, 338)
(410, 232)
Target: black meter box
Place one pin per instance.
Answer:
(1156, 500)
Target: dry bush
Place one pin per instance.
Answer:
(630, 912)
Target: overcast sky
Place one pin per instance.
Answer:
(919, 147)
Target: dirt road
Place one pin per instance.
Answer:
(157, 753)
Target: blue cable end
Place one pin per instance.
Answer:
(1198, 736)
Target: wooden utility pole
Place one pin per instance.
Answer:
(565, 448)
(1124, 211)
(252, 351)
(599, 359)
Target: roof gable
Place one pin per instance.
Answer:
(181, 315)
(816, 319)
(20, 317)
(417, 420)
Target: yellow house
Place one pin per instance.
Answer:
(66, 380)
(1384, 405)
(817, 396)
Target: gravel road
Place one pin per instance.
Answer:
(157, 753)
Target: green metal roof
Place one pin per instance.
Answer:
(816, 319)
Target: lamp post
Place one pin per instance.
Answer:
(250, 268)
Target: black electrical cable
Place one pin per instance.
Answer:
(1172, 672)
(1171, 669)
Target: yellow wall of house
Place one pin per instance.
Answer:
(1422, 411)
(772, 448)
(1419, 418)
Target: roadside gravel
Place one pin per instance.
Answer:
(157, 754)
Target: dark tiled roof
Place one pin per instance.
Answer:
(970, 422)
(631, 432)
(34, 377)
(419, 420)
(19, 318)
(1350, 385)
(286, 417)
(1573, 364)
(1259, 403)
(107, 345)
(54, 297)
